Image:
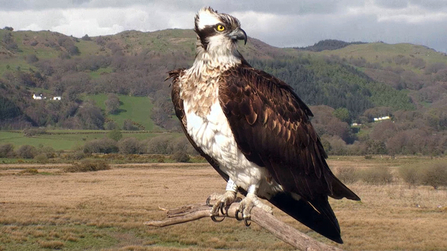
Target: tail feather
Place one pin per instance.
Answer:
(317, 215)
(339, 190)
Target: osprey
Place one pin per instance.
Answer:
(254, 130)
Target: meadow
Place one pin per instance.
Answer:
(65, 140)
(47, 208)
(137, 109)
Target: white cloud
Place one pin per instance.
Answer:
(285, 23)
(405, 13)
(94, 21)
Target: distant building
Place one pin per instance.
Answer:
(382, 118)
(37, 97)
(40, 97)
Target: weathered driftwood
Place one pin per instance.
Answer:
(278, 228)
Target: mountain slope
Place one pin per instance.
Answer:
(348, 83)
(356, 76)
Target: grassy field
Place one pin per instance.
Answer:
(138, 109)
(106, 209)
(64, 139)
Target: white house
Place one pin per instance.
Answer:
(382, 118)
(37, 97)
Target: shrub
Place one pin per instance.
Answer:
(180, 156)
(129, 125)
(78, 155)
(26, 152)
(7, 150)
(48, 151)
(88, 165)
(112, 104)
(377, 176)
(41, 158)
(129, 146)
(159, 158)
(159, 145)
(104, 145)
(410, 174)
(348, 174)
(111, 125)
(115, 134)
(180, 144)
(31, 58)
(30, 132)
(434, 174)
(431, 174)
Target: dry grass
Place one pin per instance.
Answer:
(106, 209)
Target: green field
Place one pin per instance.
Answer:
(138, 109)
(64, 139)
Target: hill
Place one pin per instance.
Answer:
(328, 44)
(344, 82)
(419, 70)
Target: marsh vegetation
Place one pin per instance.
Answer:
(47, 208)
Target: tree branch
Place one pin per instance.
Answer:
(278, 228)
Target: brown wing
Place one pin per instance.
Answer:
(271, 125)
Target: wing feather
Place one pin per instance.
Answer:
(272, 127)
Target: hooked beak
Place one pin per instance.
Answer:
(238, 34)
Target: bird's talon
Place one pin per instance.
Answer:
(222, 207)
(208, 200)
(213, 217)
(237, 215)
(247, 222)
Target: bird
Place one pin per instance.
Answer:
(254, 130)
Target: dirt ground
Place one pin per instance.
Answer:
(106, 210)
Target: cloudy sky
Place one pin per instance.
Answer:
(278, 23)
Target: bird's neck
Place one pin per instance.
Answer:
(211, 61)
(200, 83)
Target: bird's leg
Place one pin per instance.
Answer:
(224, 200)
(247, 204)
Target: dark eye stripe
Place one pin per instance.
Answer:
(204, 33)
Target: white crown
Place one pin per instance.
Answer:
(207, 17)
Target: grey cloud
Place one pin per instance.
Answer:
(284, 23)
(435, 5)
(18, 5)
(392, 4)
(266, 6)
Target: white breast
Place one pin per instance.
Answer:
(214, 136)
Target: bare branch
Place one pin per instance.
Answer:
(278, 228)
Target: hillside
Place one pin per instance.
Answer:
(344, 82)
(419, 70)
(328, 44)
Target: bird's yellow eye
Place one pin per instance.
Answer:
(220, 27)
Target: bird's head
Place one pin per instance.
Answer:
(218, 31)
